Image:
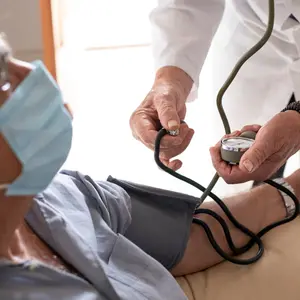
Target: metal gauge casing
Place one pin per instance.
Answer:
(233, 148)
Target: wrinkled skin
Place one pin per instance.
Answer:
(163, 106)
(275, 143)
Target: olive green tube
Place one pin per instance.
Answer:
(231, 77)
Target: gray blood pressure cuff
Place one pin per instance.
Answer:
(161, 221)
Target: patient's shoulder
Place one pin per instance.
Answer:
(104, 191)
(74, 192)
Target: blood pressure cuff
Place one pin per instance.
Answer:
(161, 221)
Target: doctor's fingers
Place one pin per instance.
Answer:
(254, 128)
(233, 174)
(230, 174)
(172, 151)
(222, 167)
(145, 129)
(175, 164)
(215, 152)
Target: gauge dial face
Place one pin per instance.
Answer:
(237, 143)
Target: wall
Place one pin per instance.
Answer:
(96, 24)
(21, 22)
(118, 23)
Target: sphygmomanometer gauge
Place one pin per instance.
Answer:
(233, 148)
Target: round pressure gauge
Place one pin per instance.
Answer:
(233, 148)
(237, 144)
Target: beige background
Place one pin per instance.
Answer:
(20, 20)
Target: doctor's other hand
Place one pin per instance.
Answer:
(275, 143)
(164, 106)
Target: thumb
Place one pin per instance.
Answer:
(167, 113)
(254, 157)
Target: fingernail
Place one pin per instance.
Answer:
(248, 165)
(177, 166)
(172, 124)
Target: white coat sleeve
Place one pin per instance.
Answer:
(182, 31)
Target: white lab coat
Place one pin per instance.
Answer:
(186, 34)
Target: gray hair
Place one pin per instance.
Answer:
(5, 53)
(4, 46)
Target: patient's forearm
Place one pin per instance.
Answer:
(255, 209)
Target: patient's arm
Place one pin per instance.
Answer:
(255, 209)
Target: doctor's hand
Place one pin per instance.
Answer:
(164, 106)
(275, 142)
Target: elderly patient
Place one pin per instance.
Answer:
(85, 239)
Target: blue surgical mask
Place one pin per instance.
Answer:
(38, 129)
